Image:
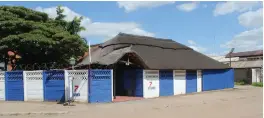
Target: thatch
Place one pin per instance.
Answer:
(155, 53)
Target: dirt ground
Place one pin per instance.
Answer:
(242, 102)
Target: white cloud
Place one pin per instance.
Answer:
(191, 42)
(224, 8)
(134, 5)
(252, 19)
(187, 7)
(193, 45)
(247, 40)
(106, 30)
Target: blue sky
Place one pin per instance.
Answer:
(211, 28)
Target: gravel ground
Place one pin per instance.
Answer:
(242, 102)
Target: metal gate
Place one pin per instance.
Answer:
(54, 85)
(2, 85)
(33, 85)
(101, 87)
(79, 85)
(14, 86)
(166, 82)
(191, 81)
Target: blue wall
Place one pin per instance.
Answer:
(191, 81)
(54, 85)
(14, 86)
(166, 82)
(100, 86)
(217, 79)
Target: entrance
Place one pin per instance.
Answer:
(126, 79)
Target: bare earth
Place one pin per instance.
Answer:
(243, 102)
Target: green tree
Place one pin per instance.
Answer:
(37, 38)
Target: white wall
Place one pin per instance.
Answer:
(76, 85)
(33, 85)
(256, 74)
(2, 85)
(199, 81)
(179, 81)
(150, 83)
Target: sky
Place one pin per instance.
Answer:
(212, 28)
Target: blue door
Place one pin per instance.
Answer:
(54, 85)
(14, 86)
(191, 81)
(139, 83)
(133, 80)
(101, 86)
(166, 82)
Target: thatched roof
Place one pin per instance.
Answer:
(155, 53)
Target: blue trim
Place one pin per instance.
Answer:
(44, 85)
(6, 87)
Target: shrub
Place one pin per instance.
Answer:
(257, 84)
(241, 82)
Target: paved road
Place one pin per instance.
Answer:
(244, 102)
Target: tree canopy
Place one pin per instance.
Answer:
(37, 38)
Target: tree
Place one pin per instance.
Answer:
(37, 38)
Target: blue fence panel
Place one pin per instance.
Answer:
(14, 86)
(191, 81)
(166, 82)
(217, 79)
(54, 85)
(100, 86)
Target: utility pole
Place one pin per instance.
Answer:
(231, 51)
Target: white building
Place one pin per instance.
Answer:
(248, 65)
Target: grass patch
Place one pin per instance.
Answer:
(241, 82)
(257, 84)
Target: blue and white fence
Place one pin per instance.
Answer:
(57, 85)
(64, 85)
(174, 82)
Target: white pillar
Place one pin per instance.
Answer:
(254, 75)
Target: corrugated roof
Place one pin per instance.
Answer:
(246, 54)
(155, 53)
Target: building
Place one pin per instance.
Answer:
(151, 67)
(248, 65)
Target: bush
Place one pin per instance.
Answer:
(241, 82)
(257, 84)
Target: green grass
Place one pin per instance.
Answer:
(240, 83)
(257, 84)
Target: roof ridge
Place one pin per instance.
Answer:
(147, 37)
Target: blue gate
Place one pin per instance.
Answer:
(54, 85)
(133, 80)
(191, 81)
(14, 86)
(100, 86)
(217, 79)
(166, 82)
(139, 83)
